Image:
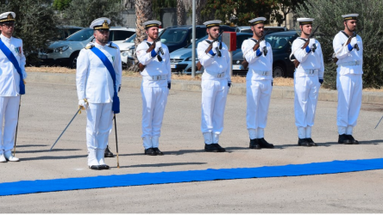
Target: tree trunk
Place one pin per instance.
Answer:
(143, 13)
(181, 13)
(199, 5)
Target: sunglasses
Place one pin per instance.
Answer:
(103, 30)
(8, 24)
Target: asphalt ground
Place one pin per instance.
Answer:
(48, 107)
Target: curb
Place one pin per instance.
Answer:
(279, 92)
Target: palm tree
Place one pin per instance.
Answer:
(143, 13)
(181, 18)
(188, 5)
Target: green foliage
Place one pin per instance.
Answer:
(281, 8)
(327, 15)
(157, 5)
(61, 4)
(83, 12)
(35, 25)
(239, 12)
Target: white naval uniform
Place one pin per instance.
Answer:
(9, 92)
(154, 90)
(258, 86)
(306, 84)
(215, 87)
(349, 82)
(95, 84)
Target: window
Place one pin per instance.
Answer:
(81, 35)
(120, 35)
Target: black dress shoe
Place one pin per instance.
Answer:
(254, 144)
(265, 144)
(95, 167)
(311, 142)
(214, 147)
(351, 139)
(303, 142)
(158, 151)
(108, 153)
(103, 166)
(344, 139)
(219, 148)
(150, 151)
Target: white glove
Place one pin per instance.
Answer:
(158, 46)
(83, 103)
(311, 43)
(353, 41)
(215, 46)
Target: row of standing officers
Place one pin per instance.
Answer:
(98, 81)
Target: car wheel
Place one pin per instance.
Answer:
(73, 61)
(278, 71)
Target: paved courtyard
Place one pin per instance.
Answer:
(48, 107)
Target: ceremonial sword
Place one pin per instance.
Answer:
(79, 110)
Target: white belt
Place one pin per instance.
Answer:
(350, 63)
(156, 77)
(311, 71)
(219, 75)
(263, 73)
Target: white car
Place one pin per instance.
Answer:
(65, 52)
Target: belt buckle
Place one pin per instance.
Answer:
(311, 71)
(264, 73)
(156, 77)
(356, 63)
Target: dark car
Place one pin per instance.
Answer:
(281, 45)
(181, 59)
(176, 37)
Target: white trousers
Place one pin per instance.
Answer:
(214, 94)
(154, 101)
(99, 125)
(9, 107)
(258, 93)
(306, 89)
(349, 101)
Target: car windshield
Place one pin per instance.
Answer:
(197, 41)
(81, 35)
(173, 35)
(278, 42)
(130, 39)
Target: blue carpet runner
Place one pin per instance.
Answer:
(139, 179)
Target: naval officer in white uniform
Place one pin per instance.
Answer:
(259, 83)
(96, 90)
(156, 83)
(11, 84)
(308, 77)
(215, 85)
(349, 78)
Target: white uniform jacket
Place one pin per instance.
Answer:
(350, 62)
(260, 68)
(308, 61)
(153, 67)
(93, 79)
(9, 77)
(214, 66)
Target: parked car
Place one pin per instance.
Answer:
(65, 52)
(66, 30)
(268, 29)
(181, 36)
(181, 59)
(127, 48)
(177, 37)
(281, 45)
